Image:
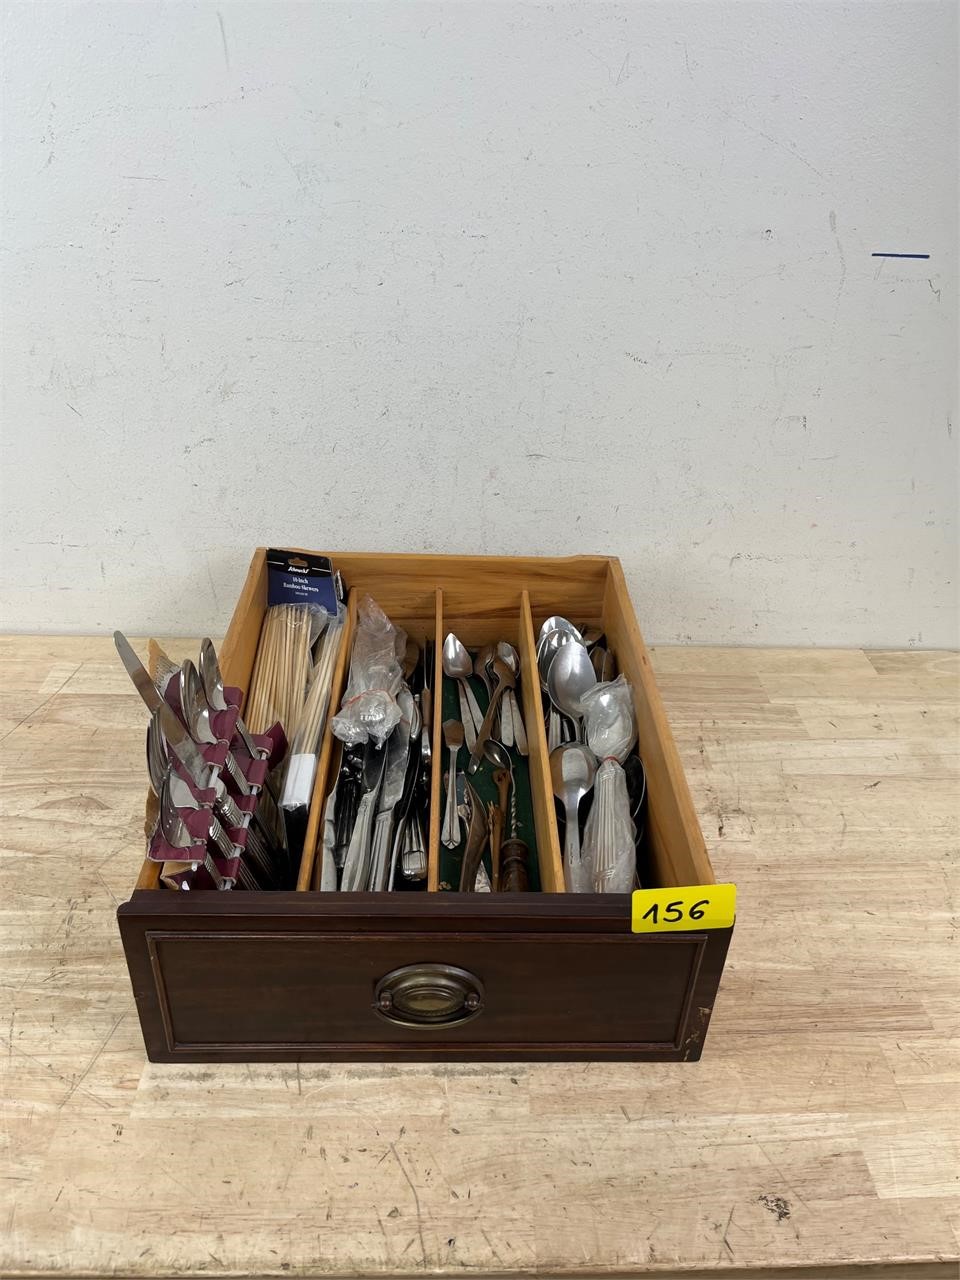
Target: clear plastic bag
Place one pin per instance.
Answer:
(609, 840)
(609, 722)
(369, 708)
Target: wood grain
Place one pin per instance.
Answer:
(818, 1132)
(676, 842)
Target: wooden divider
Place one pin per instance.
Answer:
(676, 841)
(436, 748)
(541, 786)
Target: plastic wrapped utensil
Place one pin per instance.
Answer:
(369, 708)
(609, 842)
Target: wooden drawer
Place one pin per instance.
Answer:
(301, 976)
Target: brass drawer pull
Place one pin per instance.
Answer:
(428, 995)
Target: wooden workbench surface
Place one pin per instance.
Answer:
(820, 1127)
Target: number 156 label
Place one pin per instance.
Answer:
(703, 906)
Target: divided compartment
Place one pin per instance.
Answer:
(476, 623)
(420, 626)
(673, 843)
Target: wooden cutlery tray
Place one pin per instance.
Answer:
(436, 975)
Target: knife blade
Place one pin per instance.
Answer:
(179, 741)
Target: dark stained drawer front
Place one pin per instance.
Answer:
(245, 977)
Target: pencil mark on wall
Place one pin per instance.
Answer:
(899, 255)
(836, 302)
(223, 37)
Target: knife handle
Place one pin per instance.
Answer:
(514, 867)
(380, 857)
(356, 865)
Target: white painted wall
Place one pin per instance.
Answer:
(491, 278)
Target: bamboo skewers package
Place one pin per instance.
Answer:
(305, 748)
(279, 682)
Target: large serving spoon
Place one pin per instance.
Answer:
(572, 770)
(556, 623)
(548, 646)
(571, 675)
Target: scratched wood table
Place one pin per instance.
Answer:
(820, 1129)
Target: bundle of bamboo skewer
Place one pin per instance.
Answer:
(279, 682)
(302, 759)
(310, 726)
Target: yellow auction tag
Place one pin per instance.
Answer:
(701, 906)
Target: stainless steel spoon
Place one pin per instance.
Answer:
(500, 757)
(556, 623)
(508, 654)
(571, 676)
(548, 646)
(176, 833)
(458, 665)
(572, 770)
(196, 713)
(505, 680)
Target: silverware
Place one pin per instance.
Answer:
(196, 713)
(173, 732)
(453, 734)
(177, 834)
(402, 822)
(391, 791)
(213, 688)
(484, 655)
(204, 776)
(356, 865)
(476, 841)
(458, 665)
(508, 654)
(413, 862)
(505, 680)
(572, 770)
(556, 623)
(570, 676)
(548, 646)
(499, 756)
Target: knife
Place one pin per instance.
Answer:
(180, 742)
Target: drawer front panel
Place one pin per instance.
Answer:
(311, 993)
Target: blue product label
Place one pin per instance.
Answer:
(295, 577)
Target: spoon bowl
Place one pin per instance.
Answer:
(548, 647)
(571, 675)
(457, 663)
(498, 755)
(556, 623)
(572, 770)
(613, 725)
